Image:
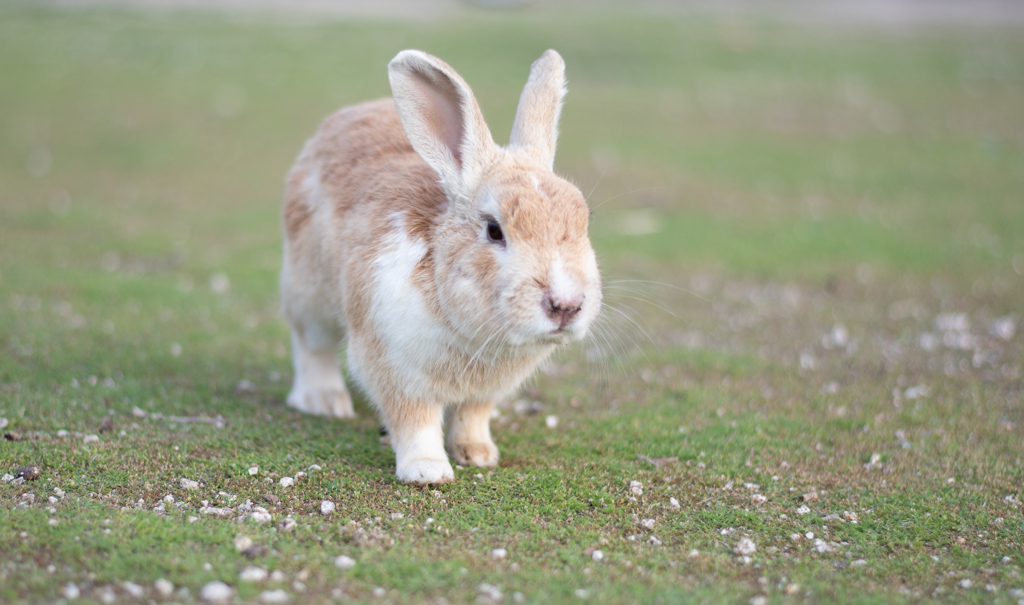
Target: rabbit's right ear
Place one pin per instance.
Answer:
(536, 125)
(442, 120)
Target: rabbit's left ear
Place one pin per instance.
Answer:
(442, 120)
(536, 125)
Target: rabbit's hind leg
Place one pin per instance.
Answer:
(319, 387)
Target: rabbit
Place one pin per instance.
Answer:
(450, 266)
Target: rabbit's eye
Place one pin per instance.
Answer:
(494, 232)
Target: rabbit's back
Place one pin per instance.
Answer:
(353, 175)
(360, 162)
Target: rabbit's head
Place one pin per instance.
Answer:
(514, 265)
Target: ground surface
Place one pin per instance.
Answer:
(812, 247)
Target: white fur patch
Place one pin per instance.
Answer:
(489, 205)
(411, 336)
(311, 185)
(563, 285)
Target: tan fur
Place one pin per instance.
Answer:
(386, 244)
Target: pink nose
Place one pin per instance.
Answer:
(562, 310)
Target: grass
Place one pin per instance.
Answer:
(783, 214)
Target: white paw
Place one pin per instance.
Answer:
(475, 454)
(324, 402)
(425, 470)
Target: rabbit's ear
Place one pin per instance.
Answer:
(442, 120)
(536, 124)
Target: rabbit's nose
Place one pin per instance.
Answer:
(561, 309)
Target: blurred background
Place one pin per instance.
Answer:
(871, 150)
(144, 142)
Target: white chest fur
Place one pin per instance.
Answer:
(412, 338)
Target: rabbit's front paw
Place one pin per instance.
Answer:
(425, 470)
(322, 402)
(475, 454)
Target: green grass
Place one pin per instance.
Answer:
(796, 185)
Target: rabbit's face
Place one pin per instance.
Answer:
(521, 268)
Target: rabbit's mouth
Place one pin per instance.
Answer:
(561, 335)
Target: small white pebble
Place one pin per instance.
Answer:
(693, 554)
(300, 476)
(286, 482)
(551, 421)
(313, 467)
(59, 492)
(253, 574)
(219, 283)
(965, 583)
(759, 600)
(397, 516)
(188, 484)
(379, 592)
(193, 519)
(169, 499)
(745, 547)
(794, 537)
(71, 591)
(647, 524)
(53, 522)
(91, 438)
(758, 499)
(499, 553)
(597, 555)
(164, 587)
(951, 481)
(260, 515)
(254, 470)
(207, 566)
(326, 507)
(134, 590)
(636, 488)
(809, 535)
(344, 562)
(52, 500)
(288, 524)
(490, 591)
(107, 595)
(216, 592)
(277, 576)
(274, 596)
(581, 593)
(858, 562)
(673, 503)
(803, 510)
(243, 543)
